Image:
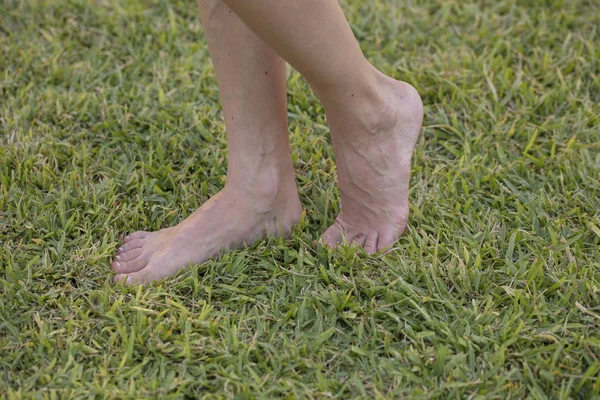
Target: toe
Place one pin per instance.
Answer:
(359, 239)
(134, 265)
(133, 244)
(151, 272)
(371, 243)
(136, 235)
(128, 255)
(333, 235)
(129, 279)
(132, 279)
(386, 240)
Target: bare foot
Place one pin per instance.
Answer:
(373, 153)
(231, 219)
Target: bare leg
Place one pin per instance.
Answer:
(260, 195)
(374, 120)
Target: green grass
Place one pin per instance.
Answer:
(110, 122)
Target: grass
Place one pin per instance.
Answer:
(110, 122)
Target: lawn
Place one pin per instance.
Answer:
(110, 122)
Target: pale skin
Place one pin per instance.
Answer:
(374, 122)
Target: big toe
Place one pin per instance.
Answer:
(132, 257)
(386, 240)
(151, 272)
(132, 264)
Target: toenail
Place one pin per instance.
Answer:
(120, 249)
(118, 257)
(117, 265)
(126, 237)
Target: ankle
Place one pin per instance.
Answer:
(272, 194)
(363, 82)
(374, 109)
(265, 188)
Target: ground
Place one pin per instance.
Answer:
(110, 122)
